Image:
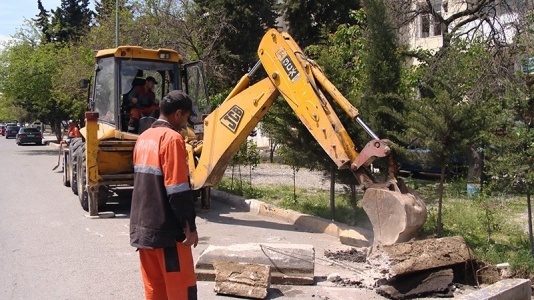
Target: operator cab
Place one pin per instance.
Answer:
(118, 71)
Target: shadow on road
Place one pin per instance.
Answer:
(221, 213)
(38, 150)
(120, 202)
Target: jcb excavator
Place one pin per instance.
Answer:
(395, 211)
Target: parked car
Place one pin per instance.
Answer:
(11, 131)
(417, 163)
(28, 135)
(2, 129)
(38, 125)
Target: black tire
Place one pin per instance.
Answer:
(66, 174)
(73, 154)
(83, 196)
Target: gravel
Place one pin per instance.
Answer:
(278, 174)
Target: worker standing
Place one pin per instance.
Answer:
(162, 218)
(74, 131)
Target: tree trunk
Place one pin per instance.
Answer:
(439, 225)
(58, 130)
(529, 209)
(332, 193)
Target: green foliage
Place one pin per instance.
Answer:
(70, 21)
(42, 80)
(237, 187)
(492, 225)
(340, 56)
(248, 156)
(246, 23)
(310, 21)
(312, 202)
(383, 71)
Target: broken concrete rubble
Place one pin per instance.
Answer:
(421, 284)
(411, 257)
(242, 279)
(290, 263)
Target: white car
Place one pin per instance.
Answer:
(38, 125)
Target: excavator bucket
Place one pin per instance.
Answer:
(395, 211)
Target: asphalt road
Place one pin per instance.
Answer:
(50, 250)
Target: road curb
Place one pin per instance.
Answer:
(348, 235)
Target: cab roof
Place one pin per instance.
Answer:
(137, 52)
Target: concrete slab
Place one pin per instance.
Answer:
(290, 263)
(242, 279)
(411, 257)
(507, 289)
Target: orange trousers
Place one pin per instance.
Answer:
(168, 273)
(135, 113)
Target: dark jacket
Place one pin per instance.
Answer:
(162, 199)
(144, 98)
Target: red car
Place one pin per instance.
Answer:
(3, 130)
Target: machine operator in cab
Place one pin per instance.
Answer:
(143, 102)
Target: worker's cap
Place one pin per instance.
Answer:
(150, 78)
(178, 99)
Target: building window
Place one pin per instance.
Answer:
(425, 25)
(428, 24)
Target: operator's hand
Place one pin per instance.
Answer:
(134, 100)
(191, 238)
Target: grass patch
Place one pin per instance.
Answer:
(312, 202)
(493, 226)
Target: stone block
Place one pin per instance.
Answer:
(411, 257)
(242, 279)
(290, 263)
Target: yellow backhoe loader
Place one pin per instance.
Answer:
(395, 211)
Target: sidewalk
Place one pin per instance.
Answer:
(50, 139)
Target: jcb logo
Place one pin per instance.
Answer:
(232, 118)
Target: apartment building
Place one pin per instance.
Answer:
(495, 18)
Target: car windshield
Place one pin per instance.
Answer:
(29, 130)
(12, 128)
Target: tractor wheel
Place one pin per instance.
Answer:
(72, 166)
(83, 196)
(66, 171)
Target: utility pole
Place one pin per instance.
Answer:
(116, 23)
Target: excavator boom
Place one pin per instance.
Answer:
(395, 212)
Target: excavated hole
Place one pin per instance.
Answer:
(351, 255)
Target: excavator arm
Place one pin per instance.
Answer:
(297, 78)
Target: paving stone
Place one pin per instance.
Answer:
(242, 279)
(290, 263)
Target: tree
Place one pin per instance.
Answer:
(464, 19)
(452, 113)
(42, 22)
(310, 21)
(383, 70)
(43, 80)
(71, 20)
(245, 24)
